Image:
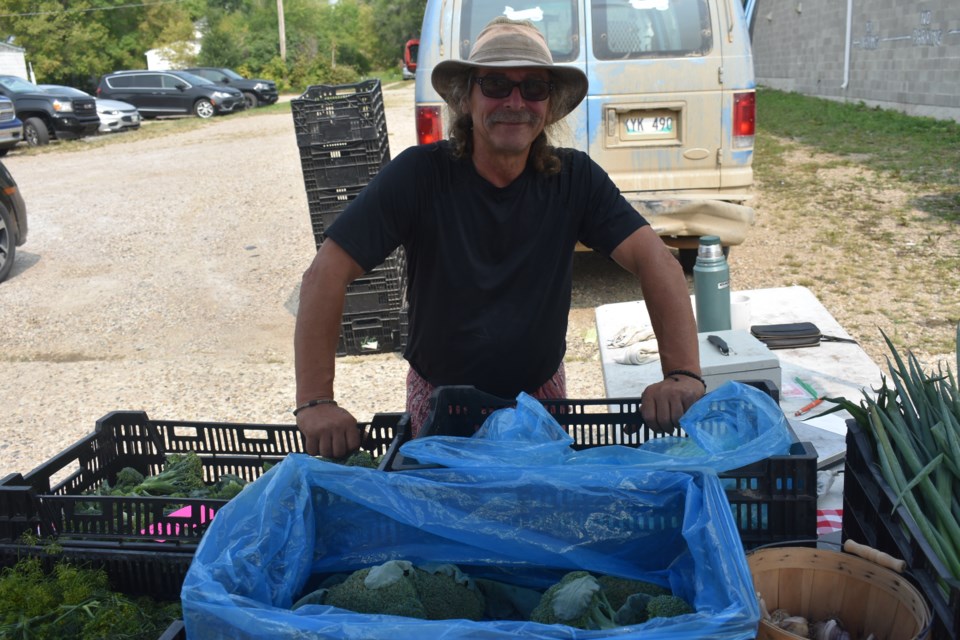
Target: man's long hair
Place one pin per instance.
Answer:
(543, 155)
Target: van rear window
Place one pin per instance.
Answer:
(629, 29)
(558, 22)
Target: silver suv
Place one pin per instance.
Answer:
(670, 109)
(169, 93)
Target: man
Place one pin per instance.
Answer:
(489, 221)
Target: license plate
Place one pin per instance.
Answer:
(648, 124)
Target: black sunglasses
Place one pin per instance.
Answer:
(499, 87)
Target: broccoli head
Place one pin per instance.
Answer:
(447, 594)
(181, 476)
(668, 607)
(387, 589)
(127, 479)
(576, 601)
(227, 487)
(618, 590)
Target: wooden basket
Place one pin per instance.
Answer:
(820, 584)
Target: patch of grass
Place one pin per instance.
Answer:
(922, 150)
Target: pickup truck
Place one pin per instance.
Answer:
(49, 115)
(11, 129)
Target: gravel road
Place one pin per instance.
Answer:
(162, 274)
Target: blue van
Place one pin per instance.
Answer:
(671, 107)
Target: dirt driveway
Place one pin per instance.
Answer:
(162, 275)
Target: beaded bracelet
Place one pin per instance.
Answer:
(314, 403)
(689, 374)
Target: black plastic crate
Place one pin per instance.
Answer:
(774, 500)
(378, 291)
(131, 572)
(344, 101)
(49, 500)
(342, 165)
(369, 333)
(327, 114)
(873, 515)
(325, 205)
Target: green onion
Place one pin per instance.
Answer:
(914, 423)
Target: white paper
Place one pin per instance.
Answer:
(833, 423)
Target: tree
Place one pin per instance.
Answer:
(396, 21)
(74, 42)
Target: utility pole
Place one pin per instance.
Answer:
(283, 31)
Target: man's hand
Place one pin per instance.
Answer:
(664, 403)
(330, 431)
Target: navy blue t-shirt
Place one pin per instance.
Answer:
(489, 270)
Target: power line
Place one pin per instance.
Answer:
(60, 11)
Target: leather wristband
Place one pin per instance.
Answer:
(689, 374)
(313, 403)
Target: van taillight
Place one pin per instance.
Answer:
(429, 126)
(744, 119)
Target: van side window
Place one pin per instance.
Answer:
(557, 20)
(120, 82)
(629, 29)
(171, 82)
(146, 81)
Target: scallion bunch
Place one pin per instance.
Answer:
(915, 425)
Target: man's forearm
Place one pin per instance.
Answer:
(320, 313)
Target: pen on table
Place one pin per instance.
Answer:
(807, 387)
(808, 407)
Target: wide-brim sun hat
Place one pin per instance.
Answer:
(507, 43)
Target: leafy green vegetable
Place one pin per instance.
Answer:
(390, 591)
(576, 601)
(618, 590)
(439, 592)
(913, 422)
(182, 475)
(356, 459)
(447, 594)
(74, 602)
(668, 607)
(127, 479)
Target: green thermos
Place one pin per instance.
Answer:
(711, 286)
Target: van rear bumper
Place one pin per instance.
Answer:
(683, 220)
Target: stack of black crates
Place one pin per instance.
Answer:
(342, 136)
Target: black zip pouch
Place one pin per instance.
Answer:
(792, 335)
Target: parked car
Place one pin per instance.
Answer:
(47, 115)
(670, 109)
(170, 93)
(114, 115)
(256, 91)
(11, 127)
(409, 71)
(13, 221)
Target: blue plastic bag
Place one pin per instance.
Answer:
(523, 436)
(527, 526)
(730, 427)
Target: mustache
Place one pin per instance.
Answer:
(512, 117)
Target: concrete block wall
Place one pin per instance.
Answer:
(904, 54)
